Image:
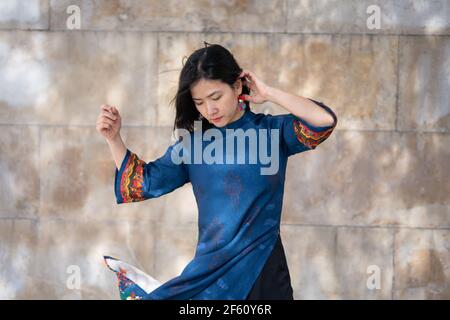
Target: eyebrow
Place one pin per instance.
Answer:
(208, 95)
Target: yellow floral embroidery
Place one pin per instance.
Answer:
(131, 185)
(309, 137)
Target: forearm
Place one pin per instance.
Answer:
(301, 107)
(118, 150)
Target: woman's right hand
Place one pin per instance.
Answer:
(109, 122)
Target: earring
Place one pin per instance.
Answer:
(200, 116)
(241, 102)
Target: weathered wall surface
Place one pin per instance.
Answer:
(376, 193)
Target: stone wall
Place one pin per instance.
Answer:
(373, 200)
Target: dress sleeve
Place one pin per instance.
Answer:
(298, 135)
(137, 180)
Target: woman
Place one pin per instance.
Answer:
(239, 254)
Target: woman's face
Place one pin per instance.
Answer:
(217, 101)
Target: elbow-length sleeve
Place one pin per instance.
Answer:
(298, 135)
(137, 180)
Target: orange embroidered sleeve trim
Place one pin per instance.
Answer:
(308, 137)
(132, 180)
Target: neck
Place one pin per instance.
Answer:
(238, 115)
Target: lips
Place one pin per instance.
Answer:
(216, 119)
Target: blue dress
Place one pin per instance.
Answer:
(239, 208)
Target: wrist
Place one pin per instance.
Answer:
(117, 139)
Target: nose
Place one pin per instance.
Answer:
(211, 109)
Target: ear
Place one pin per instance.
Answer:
(238, 86)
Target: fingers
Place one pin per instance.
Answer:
(105, 120)
(104, 126)
(248, 81)
(250, 85)
(109, 115)
(106, 107)
(109, 108)
(109, 112)
(108, 121)
(249, 98)
(248, 74)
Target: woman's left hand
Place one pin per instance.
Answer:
(258, 89)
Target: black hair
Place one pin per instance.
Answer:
(213, 62)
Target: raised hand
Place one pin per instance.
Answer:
(109, 122)
(258, 89)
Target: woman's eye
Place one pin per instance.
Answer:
(213, 99)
